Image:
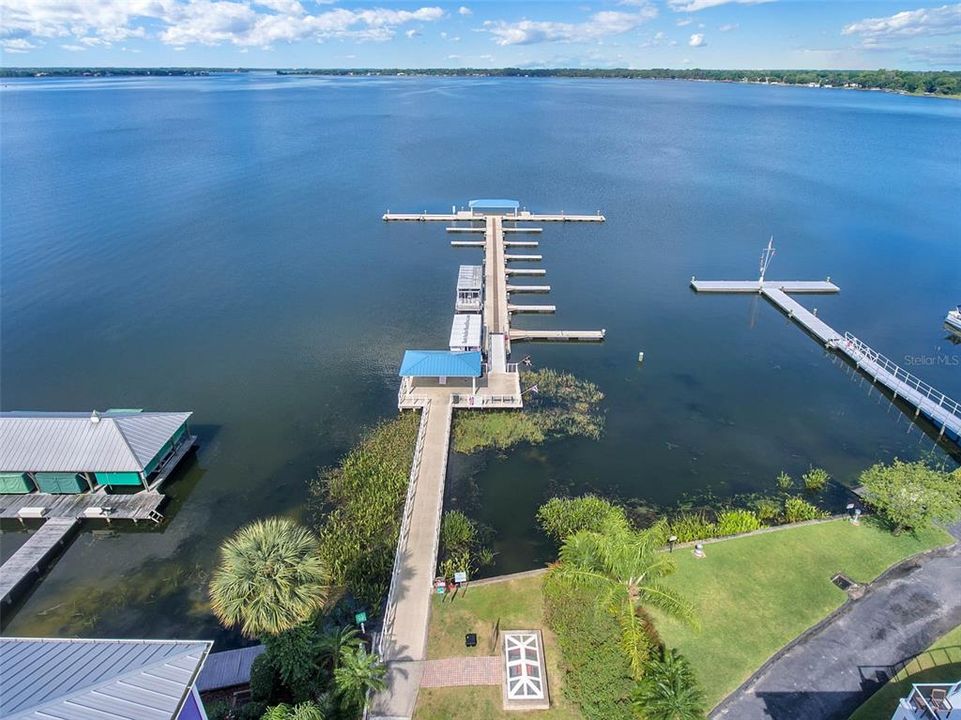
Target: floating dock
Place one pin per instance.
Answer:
(558, 335)
(936, 407)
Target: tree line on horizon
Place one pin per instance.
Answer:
(931, 82)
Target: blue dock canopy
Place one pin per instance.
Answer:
(440, 363)
(496, 204)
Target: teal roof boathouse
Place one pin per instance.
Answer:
(66, 453)
(440, 363)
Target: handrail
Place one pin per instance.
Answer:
(404, 532)
(861, 351)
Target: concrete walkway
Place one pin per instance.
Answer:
(405, 639)
(827, 674)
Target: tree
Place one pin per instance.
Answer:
(623, 570)
(270, 578)
(669, 690)
(333, 643)
(912, 496)
(359, 672)
(300, 711)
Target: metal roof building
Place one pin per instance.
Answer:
(470, 284)
(54, 679)
(440, 364)
(494, 205)
(121, 447)
(465, 332)
(228, 669)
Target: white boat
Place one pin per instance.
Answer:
(953, 319)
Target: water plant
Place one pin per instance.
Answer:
(784, 482)
(815, 479)
(735, 522)
(688, 527)
(797, 509)
(561, 517)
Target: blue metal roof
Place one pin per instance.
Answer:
(440, 363)
(493, 204)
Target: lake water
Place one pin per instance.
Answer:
(215, 244)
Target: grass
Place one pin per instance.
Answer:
(755, 594)
(498, 429)
(509, 605)
(939, 663)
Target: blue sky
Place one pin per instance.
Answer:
(603, 33)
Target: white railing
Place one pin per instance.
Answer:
(462, 400)
(861, 351)
(390, 607)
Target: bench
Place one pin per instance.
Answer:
(32, 512)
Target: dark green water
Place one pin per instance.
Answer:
(215, 244)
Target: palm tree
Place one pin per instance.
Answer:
(300, 711)
(623, 569)
(359, 672)
(669, 691)
(270, 578)
(332, 644)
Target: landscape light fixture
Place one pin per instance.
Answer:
(671, 540)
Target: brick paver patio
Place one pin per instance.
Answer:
(451, 672)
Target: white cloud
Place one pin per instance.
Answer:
(411, 33)
(599, 25)
(17, 45)
(729, 27)
(938, 57)
(684, 22)
(245, 23)
(486, 58)
(697, 40)
(453, 57)
(464, 10)
(695, 5)
(944, 20)
(659, 37)
(74, 48)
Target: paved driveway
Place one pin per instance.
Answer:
(828, 674)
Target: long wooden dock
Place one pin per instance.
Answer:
(558, 335)
(32, 557)
(139, 506)
(936, 407)
(402, 643)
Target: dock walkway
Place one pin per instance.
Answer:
(33, 555)
(940, 410)
(403, 641)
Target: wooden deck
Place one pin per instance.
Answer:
(528, 288)
(532, 308)
(558, 335)
(467, 215)
(144, 505)
(34, 555)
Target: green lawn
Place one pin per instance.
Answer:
(939, 663)
(755, 594)
(510, 605)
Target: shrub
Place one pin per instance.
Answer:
(797, 509)
(250, 711)
(784, 481)
(767, 510)
(912, 496)
(669, 690)
(735, 522)
(597, 673)
(219, 710)
(461, 545)
(357, 508)
(264, 679)
(815, 479)
(561, 517)
(689, 527)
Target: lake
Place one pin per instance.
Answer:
(214, 244)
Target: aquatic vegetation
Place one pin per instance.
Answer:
(462, 546)
(357, 507)
(688, 527)
(797, 509)
(562, 517)
(815, 479)
(563, 406)
(735, 522)
(784, 482)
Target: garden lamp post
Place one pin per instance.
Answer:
(671, 540)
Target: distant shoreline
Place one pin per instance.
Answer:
(938, 84)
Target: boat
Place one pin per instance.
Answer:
(953, 320)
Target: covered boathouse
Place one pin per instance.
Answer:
(497, 206)
(69, 453)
